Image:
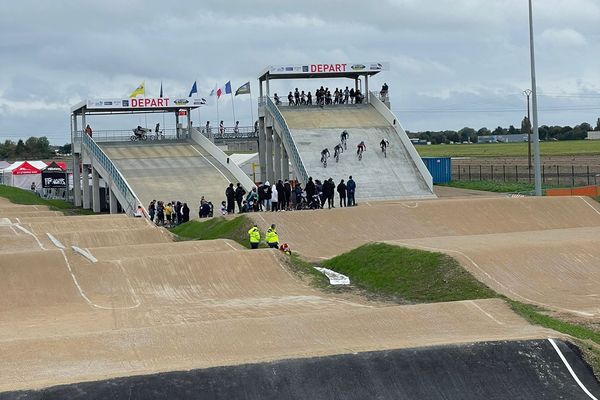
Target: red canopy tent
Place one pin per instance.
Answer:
(23, 175)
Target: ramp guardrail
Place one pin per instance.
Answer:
(288, 141)
(127, 198)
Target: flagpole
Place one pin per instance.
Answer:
(251, 109)
(218, 119)
(145, 115)
(232, 106)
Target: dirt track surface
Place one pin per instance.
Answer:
(543, 251)
(150, 304)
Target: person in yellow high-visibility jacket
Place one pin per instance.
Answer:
(254, 234)
(272, 238)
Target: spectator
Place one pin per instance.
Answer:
(277, 100)
(236, 128)
(266, 188)
(88, 130)
(297, 97)
(256, 127)
(290, 99)
(262, 195)
(221, 128)
(152, 210)
(32, 187)
(160, 213)
(205, 209)
(207, 129)
(310, 189)
(239, 196)
(298, 193)
(309, 99)
(280, 195)
(274, 198)
(272, 238)
(346, 95)
(303, 98)
(254, 235)
(252, 200)
(223, 208)
(287, 190)
(330, 192)
(185, 213)
(352, 94)
(341, 189)
(350, 190)
(139, 213)
(168, 212)
(230, 196)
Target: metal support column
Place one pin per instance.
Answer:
(87, 190)
(95, 190)
(77, 180)
(269, 154)
(262, 148)
(285, 164)
(177, 130)
(277, 156)
(366, 93)
(113, 202)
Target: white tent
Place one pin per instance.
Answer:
(22, 173)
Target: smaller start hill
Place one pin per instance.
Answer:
(378, 177)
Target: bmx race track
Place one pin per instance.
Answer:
(114, 307)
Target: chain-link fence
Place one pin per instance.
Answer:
(552, 175)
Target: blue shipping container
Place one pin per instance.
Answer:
(440, 168)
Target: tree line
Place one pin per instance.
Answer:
(33, 148)
(466, 134)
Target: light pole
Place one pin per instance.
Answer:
(536, 134)
(527, 92)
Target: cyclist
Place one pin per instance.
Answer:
(384, 144)
(324, 156)
(360, 148)
(337, 150)
(344, 137)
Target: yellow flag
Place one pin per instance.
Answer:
(140, 90)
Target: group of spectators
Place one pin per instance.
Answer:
(170, 214)
(286, 196)
(323, 96)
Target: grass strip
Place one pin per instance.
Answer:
(235, 229)
(491, 186)
(26, 197)
(408, 275)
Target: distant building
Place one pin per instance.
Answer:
(593, 135)
(502, 139)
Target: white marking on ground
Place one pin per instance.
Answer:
(54, 240)
(5, 221)
(229, 244)
(87, 299)
(84, 253)
(589, 205)
(439, 249)
(564, 360)
(485, 312)
(34, 236)
(18, 220)
(208, 161)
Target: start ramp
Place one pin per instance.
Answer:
(397, 175)
(171, 171)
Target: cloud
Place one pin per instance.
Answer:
(563, 38)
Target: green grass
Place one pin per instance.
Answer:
(566, 147)
(535, 315)
(217, 228)
(26, 197)
(408, 275)
(492, 186)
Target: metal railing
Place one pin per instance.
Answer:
(229, 133)
(130, 199)
(289, 141)
(124, 135)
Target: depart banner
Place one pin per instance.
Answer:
(329, 68)
(140, 102)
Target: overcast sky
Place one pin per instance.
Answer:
(453, 63)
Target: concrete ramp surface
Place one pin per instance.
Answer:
(525, 370)
(172, 171)
(377, 178)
